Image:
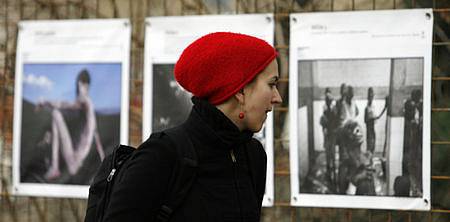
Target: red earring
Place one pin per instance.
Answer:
(241, 115)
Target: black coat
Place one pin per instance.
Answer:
(223, 190)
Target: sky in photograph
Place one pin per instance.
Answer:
(57, 82)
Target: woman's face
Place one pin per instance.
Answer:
(259, 97)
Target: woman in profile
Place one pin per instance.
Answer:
(233, 79)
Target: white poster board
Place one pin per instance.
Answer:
(360, 154)
(70, 103)
(165, 39)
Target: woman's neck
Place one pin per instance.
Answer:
(231, 112)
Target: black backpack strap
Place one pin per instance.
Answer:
(103, 183)
(183, 174)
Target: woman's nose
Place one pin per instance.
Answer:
(277, 98)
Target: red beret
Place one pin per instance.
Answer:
(217, 65)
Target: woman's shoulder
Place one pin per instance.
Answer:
(157, 148)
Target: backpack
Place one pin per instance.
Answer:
(180, 182)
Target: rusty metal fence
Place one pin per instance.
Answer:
(14, 208)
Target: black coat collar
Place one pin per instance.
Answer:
(213, 127)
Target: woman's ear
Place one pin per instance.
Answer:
(240, 96)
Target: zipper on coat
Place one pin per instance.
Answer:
(108, 186)
(233, 157)
(236, 183)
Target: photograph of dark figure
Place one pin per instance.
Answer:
(353, 154)
(347, 111)
(369, 119)
(171, 103)
(329, 124)
(354, 165)
(68, 123)
(412, 142)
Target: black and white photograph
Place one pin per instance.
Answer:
(71, 105)
(348, 130)
(165, 103)
(359, 105)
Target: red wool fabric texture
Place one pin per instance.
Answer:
(217, 65)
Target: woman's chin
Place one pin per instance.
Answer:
(257, 128)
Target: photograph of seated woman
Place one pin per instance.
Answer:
(233, 79)
(73, 150)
